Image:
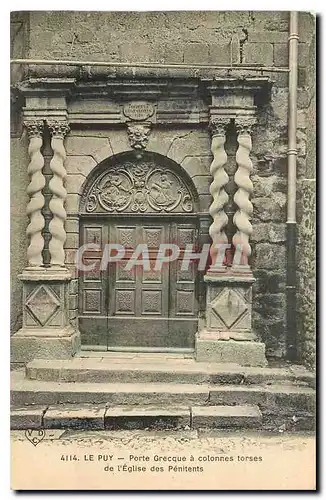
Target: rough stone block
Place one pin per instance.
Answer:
(205, 201)
(119, 141)
(123, 417)
(160, 141)
(292, 397)
(202, 183)
(281, 54)
(226, 416)
(145, 52)
(220, 53)
(274, 233)
(197, 165)
(269, 256)
(267, 36)
(70, 417)
(188, 143)
(72, 225)
(72, 240)
(72, 203)
(74, 183)
(27, 418)
(267, 209)
(25, 349)
(82, 165)
(194, 52)
(269, 281)
(73, 301)
(86, 146)
(258, 53)
(229, 351)
(235, 395)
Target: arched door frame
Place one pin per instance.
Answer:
(179, 218)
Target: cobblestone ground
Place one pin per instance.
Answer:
(163, 460)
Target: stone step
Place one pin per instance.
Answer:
(268, 396)
(163, 369)
(140, 417)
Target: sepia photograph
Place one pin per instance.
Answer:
(163, 250)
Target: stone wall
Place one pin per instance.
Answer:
(306, 205)
(215, 38)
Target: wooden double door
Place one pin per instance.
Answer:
(145, 305)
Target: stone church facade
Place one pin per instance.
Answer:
(167, 129)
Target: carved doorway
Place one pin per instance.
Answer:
(139, 204)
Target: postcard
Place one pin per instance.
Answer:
(163, 288)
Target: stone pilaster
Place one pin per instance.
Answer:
(46, 332)
(58, 130)
(34, 190)
(227, 335)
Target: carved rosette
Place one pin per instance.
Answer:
(138, 134)
(245, 189)
(58, 130)
(220, 179)
(34, 190)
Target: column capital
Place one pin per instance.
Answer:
(58, 128)
(218, 125)
(34, 127)
(244, 124)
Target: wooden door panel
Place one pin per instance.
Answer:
(139, 306)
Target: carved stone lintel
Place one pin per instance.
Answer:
(138, 134)
(34, 190)
(58, 130)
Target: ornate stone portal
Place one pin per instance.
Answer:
(141, 187)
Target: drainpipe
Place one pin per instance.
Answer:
(291, 327)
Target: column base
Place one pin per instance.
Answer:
(28, 344)
(210, 348)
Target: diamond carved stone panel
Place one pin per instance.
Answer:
(43, 304)
(229, 306)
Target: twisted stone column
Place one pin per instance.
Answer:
(245, 189)
(34, 190)
(220, 197)
(58, 131)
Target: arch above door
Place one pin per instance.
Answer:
(124, 184)
(149, 201)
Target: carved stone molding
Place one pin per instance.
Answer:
(34, 190)
(58, 130)
(138, 134)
